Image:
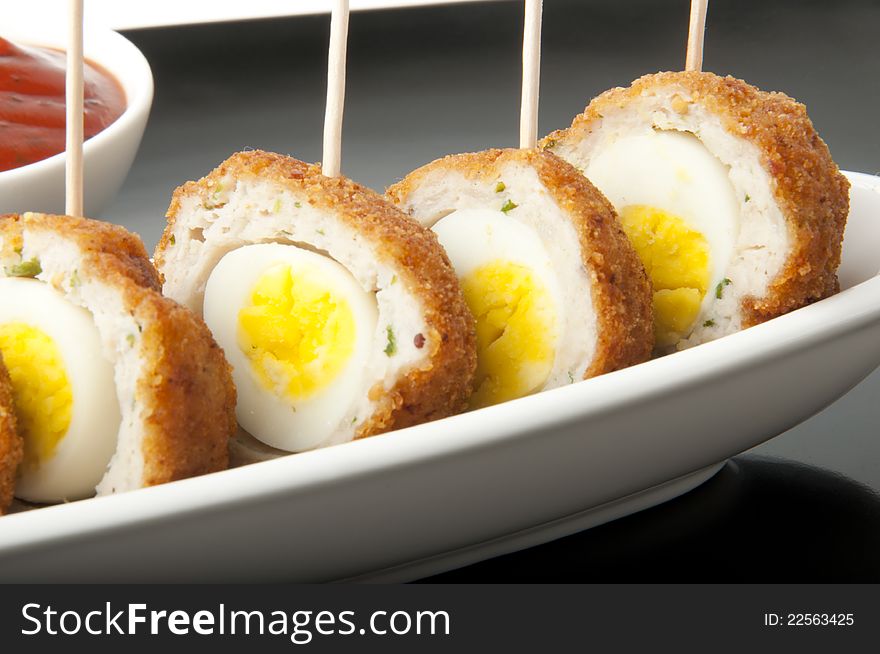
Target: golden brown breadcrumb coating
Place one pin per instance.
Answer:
(188, 390)
(620, 286)
(117, 251)
(811, 192)
(11, 447)
(441, 386)
(185, 387)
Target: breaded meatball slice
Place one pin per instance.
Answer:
(557, 291)
(727, 191)
(173, 385)
(273, 254)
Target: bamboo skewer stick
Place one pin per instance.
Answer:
(332, 156)
(73, 180)
(528, 115)
(696, 31)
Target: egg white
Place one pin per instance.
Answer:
(475, 237)
(81, 456)
(262, 413)
(673, 171)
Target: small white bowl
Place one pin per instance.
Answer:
(107, 155)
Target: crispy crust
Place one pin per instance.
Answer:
(621, 290)
(185, 387)
(11, 448)
(188, 390)
(811, 192)
(112, 250)
(440, 387)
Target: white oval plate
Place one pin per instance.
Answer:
(128, 15)
(435, 496)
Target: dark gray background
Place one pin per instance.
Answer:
(427, 82)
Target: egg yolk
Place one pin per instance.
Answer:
(515, 317)
(40, 388)
(676, 259)
(297, 334)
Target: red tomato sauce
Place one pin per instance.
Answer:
(32, 103)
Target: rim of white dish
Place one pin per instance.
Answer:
(114, 53)
(825, 320)
(129, 15)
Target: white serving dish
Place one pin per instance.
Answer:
(435, 496)
(108, 155)
(165, 13)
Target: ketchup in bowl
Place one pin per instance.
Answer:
(32, 114)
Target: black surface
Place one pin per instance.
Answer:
(423, 83)
(758, 520)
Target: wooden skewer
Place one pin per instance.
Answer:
(528, 114)
(331, 161)
(73, 181)
(696, 31)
